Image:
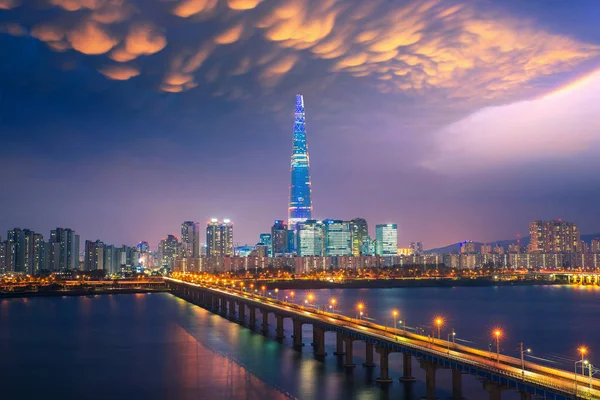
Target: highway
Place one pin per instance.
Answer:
(564, 381)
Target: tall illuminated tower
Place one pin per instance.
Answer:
(300, 208)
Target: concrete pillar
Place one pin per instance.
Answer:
(494, 390)
(525, 395)
(369, 355)
(348, 362)
(429, 368)
(265, 324)
(314, 339)
(407, 368)
(252, 323)
(457, 392)
(213, 304)
(279, 331)
(319, 341)
(241, 312)
(384, 376)
(297, 334)
(230, 309)
(339, 344)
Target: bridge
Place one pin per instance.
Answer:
(497, 372)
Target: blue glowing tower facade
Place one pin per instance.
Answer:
(300, 208)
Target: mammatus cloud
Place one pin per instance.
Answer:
(8, 4)
(13, 29)
(243, 4)
(562, 124)
(438, 48)
(91, 38)
(188, 8)
(119, 72)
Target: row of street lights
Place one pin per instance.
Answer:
(438, 323)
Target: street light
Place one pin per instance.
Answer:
(277, 293)
(360, 307)
(292, 296)
(583, 351)
(439, 322)
(523, 358)
(332, 301)
(497, 335)
(394, 314)
(453, 334)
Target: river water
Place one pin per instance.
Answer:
(157, 346)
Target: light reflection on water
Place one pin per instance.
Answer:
(158, 346)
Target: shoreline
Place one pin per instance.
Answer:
(78, 292)
(401, 283)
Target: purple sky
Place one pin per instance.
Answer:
(455, 120)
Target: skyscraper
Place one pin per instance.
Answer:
(300, 207)
(190, 239)
(338, 240)
(310, 238)
(219, 238)
(386, 236)
(279, 238)
(265, 238)
(360, 233)
(63, 250)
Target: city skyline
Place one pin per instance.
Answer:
(474, 116)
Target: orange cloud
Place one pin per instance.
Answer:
(8, 4)
(90, 38)
(187, 8)
(13, 29)
(120, 72)
(231, 35)
(243, 4)
(112, 11)
(47, 33)
(274, 72)
(144, 39)
(120, 54)
(74, 5)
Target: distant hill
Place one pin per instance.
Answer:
(455, 247)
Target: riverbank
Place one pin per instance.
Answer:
(399, 283)
(78, 292)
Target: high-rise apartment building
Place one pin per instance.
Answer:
(468, 247)
(310, 238)
(337, 237)
(265, 239)
(169, 249)
(93, 258)
(595, 247)
(553, 237)
(360, 232)
(386, 239)
(219, 238)
(27, 251)
(63, 250)
(417, 248)
(279, 238)
(190, 239)
(300, 206)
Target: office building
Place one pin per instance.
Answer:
(337, 238)
(265, 239)
(279, 238)
(310, 238)
(359, 231)
(300, 206)
(219, 238)
(386, 239)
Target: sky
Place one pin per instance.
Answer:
(454, 119)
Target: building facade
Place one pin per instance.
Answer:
(337, 237)
(386, 239)
(300, 205)
(219, 238)
(553, 237)
(310, 238)
(360, 233)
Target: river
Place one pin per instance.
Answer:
(157, 346)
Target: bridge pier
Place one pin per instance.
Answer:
(457, 392)
(369, 355)
(241, 312)
(384, 376)
(297, 334)
(494, 390)
(525, 395)
(230, 309)
(339, 344)
(279, 331)
(407, 368)
(319, 341)
(348, 362)
(429, 368)
(265, 323)
(252, 322)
